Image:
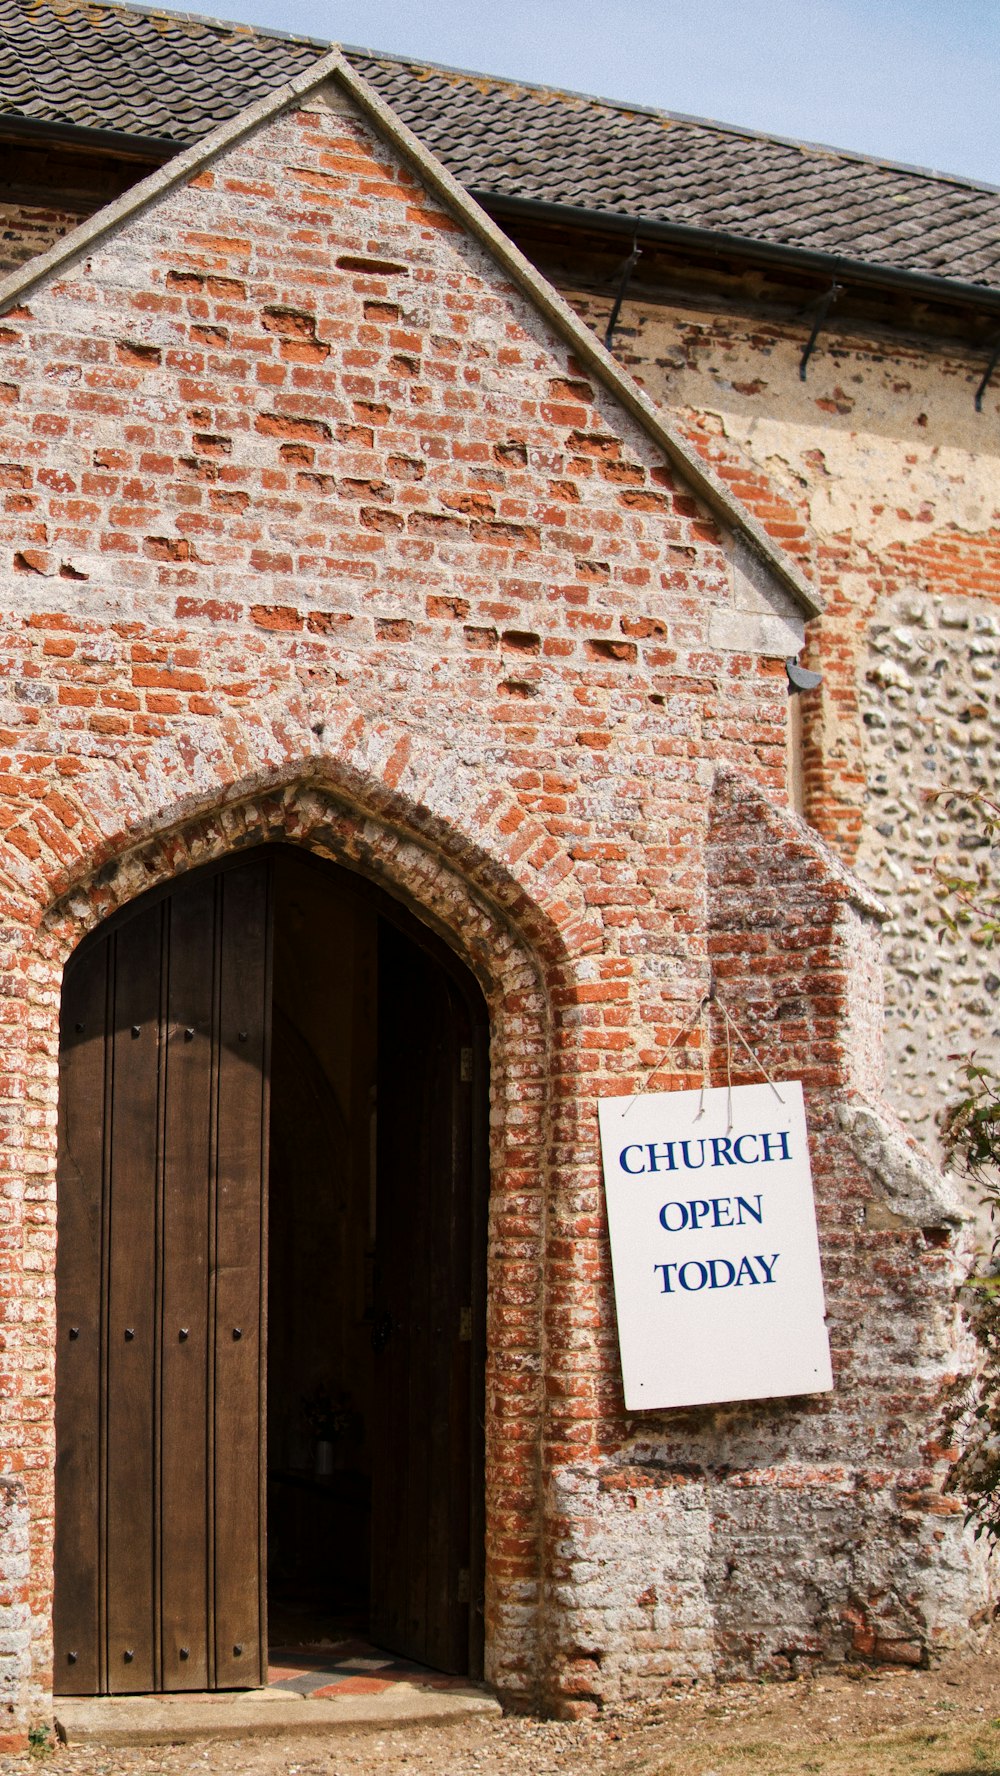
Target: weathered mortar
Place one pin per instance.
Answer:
(930, 707)
(314, 529)
(877, 460)
(878, 471)
(15, 1615)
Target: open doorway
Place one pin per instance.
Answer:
(375, 1278)
(283, 1438)
(322, 1223)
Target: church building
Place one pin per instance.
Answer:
(487, 578)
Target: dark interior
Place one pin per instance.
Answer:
(376, 1277)
(321, 1254)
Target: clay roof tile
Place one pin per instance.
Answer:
(176, 76)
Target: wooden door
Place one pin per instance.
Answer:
(161, 1245)
(427, 1482)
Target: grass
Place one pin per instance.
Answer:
(944, 1750)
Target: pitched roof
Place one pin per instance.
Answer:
(168, 76)
(142, 73)
(173, 77)
(500, 137)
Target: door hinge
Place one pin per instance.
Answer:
(464, 1587)
(465, 1325)
(465, 1062)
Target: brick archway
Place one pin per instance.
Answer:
(512, 978)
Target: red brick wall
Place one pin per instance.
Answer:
(312, 528)
(879, 475)
(27, 229)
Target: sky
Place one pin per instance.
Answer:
(908, 80)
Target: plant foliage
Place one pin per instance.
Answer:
(969, 908)
(969, 911)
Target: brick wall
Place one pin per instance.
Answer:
(27, 229)
(766, 1538)
(876, 473)
(880, 476)
(313, 529)
(15, 1621)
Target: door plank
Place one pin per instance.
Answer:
(185, 1537)
(448, 1185)
(131, 1437)
(163, 1101)
(413, 1235)
(78, 1604)
(448, 1552)
(438, 1283)
(241, 1175)
(392, 1475)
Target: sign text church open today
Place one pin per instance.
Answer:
(718, 1286)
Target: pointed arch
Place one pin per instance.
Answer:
(515, 951)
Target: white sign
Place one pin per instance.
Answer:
(713, 1245)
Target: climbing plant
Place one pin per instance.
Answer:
(969, 912)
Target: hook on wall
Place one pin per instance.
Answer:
(987, 374)
(799, 677)
(623, 282)
(822, 310)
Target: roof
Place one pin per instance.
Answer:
(173, 77)
(169, 76)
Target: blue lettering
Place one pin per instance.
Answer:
(715, 1273)
(656, 1151)
(687, 1157)
(715, 1210)
(633, 1171)
(720, 1148)
(665, 1224)
(737, 1144)
(743, 1202)
(715, 1265)
(782, 1138)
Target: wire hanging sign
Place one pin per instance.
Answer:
(714, 1245)
(688, 1029)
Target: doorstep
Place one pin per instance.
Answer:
(243, 1714)
(345, 1685)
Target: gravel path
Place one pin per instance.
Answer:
(943, 1720)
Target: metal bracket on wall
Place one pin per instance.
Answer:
(822, 310)
(623, 283)
(799, 677)
(988, 372)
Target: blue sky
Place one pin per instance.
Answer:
(911, 80)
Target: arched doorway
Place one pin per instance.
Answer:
(270, 1282)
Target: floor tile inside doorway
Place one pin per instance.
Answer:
(349, 1668)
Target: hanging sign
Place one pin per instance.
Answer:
(713, 1245)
